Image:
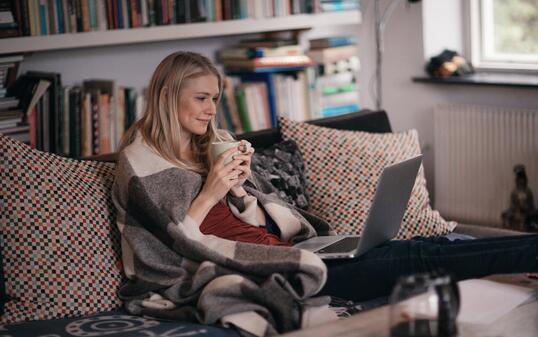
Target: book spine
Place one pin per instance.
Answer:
(94, 100)
(104, 144)
(125, 14)
(152, 12)
(85, 15)
(242, 109)
(66, 19)
(75, 122)
(119, 117)
(86, 125)
(53, 17)
(43, 17)
(101, 15)
(135, 10)
(60, 17)
(66, 123)
(144, 13)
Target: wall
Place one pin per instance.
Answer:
(410, 105)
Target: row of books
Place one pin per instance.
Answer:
(47, 17)
(75, 121)
(250, 104)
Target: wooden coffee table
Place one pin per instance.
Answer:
(520, 322)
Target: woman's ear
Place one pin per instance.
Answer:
(164, 92)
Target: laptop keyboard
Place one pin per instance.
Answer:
(345, 245)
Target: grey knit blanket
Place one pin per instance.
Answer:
(176, 272)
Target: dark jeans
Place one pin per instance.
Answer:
(375, 273)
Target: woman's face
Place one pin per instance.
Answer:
(198, 104)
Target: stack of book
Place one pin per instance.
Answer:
(264, 55)
(268, 78)
(11, 115)
(75, 121)
(335, 90)
(46, 17)
(8, 23)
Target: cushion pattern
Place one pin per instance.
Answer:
(116, 323)
(61, 246)
(342, 169)
(282, 165)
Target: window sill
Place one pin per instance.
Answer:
(487, 79)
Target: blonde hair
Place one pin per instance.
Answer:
(160, 126)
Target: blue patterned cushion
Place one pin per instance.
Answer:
(2, 284)
(113, 324)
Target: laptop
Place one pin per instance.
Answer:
(384, 218)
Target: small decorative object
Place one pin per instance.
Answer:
(522, 214)
(448, 63)
(425, 304)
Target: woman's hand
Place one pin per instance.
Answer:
(222, 177)
(246, 158)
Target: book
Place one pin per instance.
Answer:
(86, 124)
(336, 6)
(250, 53)
(66, 123)
(329, 55)
(338, 99)
(268, 62)
(331, 42)
(8, 103)
(52, 132)
(339, 110)
(75, 133)
(242, 109)
(328, 90)
(267, 43)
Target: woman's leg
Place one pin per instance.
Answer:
(375, 273)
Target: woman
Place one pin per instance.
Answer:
(190, 212)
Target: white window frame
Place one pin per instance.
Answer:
(478, 47)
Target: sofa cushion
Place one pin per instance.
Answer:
(116, 323)
(342, 169)
(61, 247)
(2, 282)
(282, 165)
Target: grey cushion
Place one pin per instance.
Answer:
(283, 166)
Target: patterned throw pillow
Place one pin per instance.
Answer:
(282, 165)
(61, 250)
(342, 169)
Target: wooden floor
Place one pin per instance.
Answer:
(520, 322)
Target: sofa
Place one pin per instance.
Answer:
(109, 319)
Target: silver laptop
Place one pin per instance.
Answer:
(384, 218)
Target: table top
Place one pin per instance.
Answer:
(521, 321)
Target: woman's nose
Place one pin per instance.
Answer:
(212, 109)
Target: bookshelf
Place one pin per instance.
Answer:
(176, 32)
(67, 118)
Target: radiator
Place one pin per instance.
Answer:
(475, 149)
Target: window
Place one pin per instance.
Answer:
(504, 34)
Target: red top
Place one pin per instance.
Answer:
(221, 222)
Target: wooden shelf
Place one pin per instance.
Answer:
(175, 32)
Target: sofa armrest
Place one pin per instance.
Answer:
(478, 231)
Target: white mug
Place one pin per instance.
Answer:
(219, 147)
